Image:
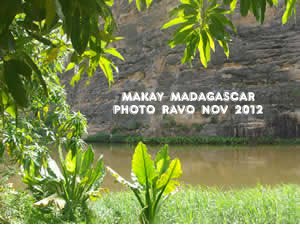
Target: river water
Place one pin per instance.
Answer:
(215, 166)
(219, 166)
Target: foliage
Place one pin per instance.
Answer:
(82, 29)
(208, 205)
(201, 23)
(153, 181)
(191, 140)
(69, 188)
(17, 207)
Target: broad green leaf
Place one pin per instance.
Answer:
(80, 32)
(171, 187)
(142, 165)
(50, 12)
(87, 160)
(98, 173)
(173, 172)
(12, 110)
(15, 84)
(70, 162)
(53, 169)
(244, 7)
(162, 160)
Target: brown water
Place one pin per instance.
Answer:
(220, 166)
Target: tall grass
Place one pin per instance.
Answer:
(279, 204)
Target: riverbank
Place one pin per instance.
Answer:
(261, 204)
(193, 140)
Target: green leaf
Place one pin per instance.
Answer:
(211, 41)
(87, 160)
(224, 45)
(142, 165)
(114, 52)
(50, 12)
(174, 22)
(244, 7)
(173, 172)
(202, 49)
(15, 84)
(105, 64)
(77, 76)
(2, 148)
(141, 4)
(53, 169)
(70, 66)
(12, 110)
(70, 162)
(233, 5)
(162, 160)
(290, 8)
(80, 31)
(34, 67)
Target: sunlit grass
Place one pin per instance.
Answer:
(279, 204)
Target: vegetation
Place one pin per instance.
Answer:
(210, 205)
(69, 189)
(278, 204)
(72, 28)
(193, 140)
(37, 37)
(153, 181)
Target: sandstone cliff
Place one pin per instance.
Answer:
(264, 59)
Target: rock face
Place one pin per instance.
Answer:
(264, 59)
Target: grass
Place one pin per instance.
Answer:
(279, 204)
(133, 139)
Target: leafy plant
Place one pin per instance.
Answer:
(153, 181)
(67, 188)
(201, 23)
(82, 29)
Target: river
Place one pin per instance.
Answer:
(219, 166)
(214, 166)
